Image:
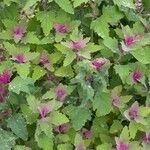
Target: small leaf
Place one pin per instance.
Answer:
(23, 70)
(58, 118)
(79, 2)
(125, 134)
(38, 72)
(20, 147)
(105, 146)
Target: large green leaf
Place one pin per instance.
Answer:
(18, 84)
(18, 125)
(105, 146)
(83, 114)
(47, 19)
(65, 5)
(102, 103)
(7, 140)
(125, 3)
(142, 55)
(20, 147)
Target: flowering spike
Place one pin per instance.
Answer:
(18, 32)
(44, 110)
(63, 128)
(3, 94)
(44, 59)
(121, 145)
(60, 93)
(98, 63)
(136, 75)
(61, 28)
(5, 77)
(116, 101)
(82, 43)
(20, 58)
(86, 133)
(129, 40)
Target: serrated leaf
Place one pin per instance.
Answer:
(125, 3)
(58, 118)
(77, 3)
(47, 20)
(112, 44)
(133, 128)
(64, 72)
(125, 134)
(38, 72)
(123, 71)
(69, 58)
(28, 114)
(82, 114)
(20, 147)
(102, 103)
(7, 140)
(116, 126)
(65, 146)
(23, 70)
(18, 84)
(105, 146)
(18, 125)
(142, 55)
(30, 3)
(65, 5)
(101, 27)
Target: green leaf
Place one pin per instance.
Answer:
(65, 146)
(113, 14)
(66, 71)
(102, 103)
(18, 84)
(18, 125)
(105, 146)
(38, 72)
(100, 26)
(44, 141)
(125, 3)
(69, 58)
(77, 3)
(142, 55)
(28, 114)
(47, 19)
(7, 140)
(65, 5)
(23, 70)
(133, 128)
(111, 43)
(116, 126)
(123, 71)
(125, 134)
(82, 114)
(20, 147)
(30, 3)
(58, 118)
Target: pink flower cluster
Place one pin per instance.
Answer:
(20, 58)
(136, 75)
(44, 110)
(60, 93)
(63, 128)
(18, 32)
(121, 144)
(5, 77)
(87, 134)
(3, 94)
(61, 28)
(98, 63)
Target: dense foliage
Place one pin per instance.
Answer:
(74, 75)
